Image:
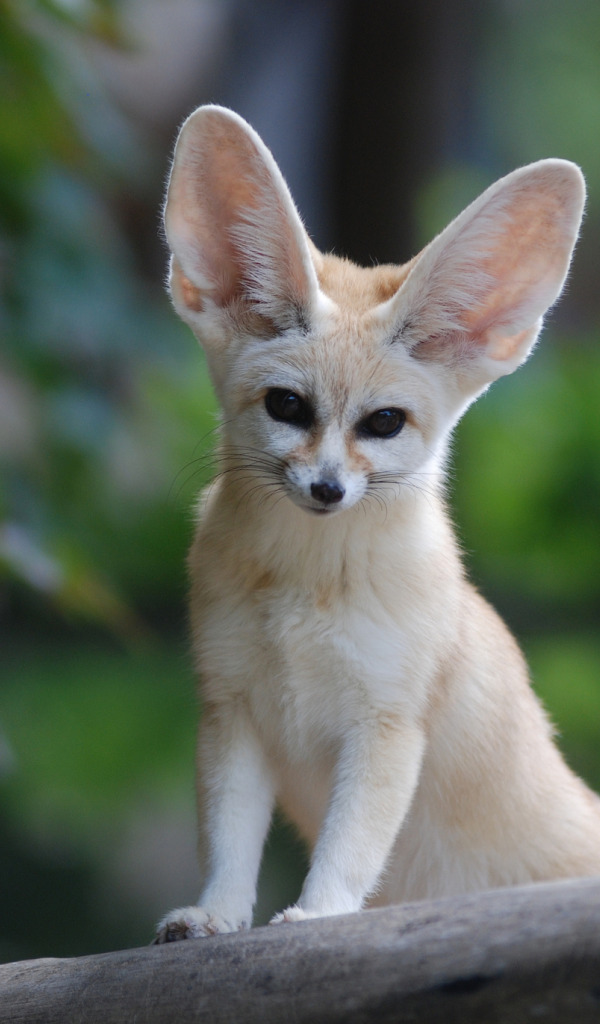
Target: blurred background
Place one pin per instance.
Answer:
(386, 118)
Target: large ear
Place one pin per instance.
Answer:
(241, 257)
(477, 294)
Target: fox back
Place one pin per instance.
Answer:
(348, 669)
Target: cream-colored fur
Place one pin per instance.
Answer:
(348, 670)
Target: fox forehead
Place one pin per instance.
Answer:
(355, 288)
(346, 349)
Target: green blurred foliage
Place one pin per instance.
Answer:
(87, 451)
(122, 727)
(106, 419)
(566, 668)
(93, 735)
(104, 408)
(529, 475)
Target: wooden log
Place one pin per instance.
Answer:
(511, 956)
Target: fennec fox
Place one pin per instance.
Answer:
(349, 671)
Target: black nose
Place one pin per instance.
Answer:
(327, 491)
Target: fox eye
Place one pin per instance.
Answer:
(288, 407)
(383, 423)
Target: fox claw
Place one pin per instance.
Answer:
(192, 923)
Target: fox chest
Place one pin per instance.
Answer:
(308, 669)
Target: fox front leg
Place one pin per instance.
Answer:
(236, 796)
(374, 784)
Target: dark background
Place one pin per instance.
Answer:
(386, 118)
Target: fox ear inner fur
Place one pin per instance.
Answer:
(482, 287)
(238, 243)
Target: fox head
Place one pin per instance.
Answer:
(340, 384)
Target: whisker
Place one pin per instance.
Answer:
(193, 469)
(384, 487)
(266, 487)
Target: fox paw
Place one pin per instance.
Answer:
(293, 913)
(192, 923)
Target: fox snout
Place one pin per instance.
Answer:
(327, 491)
(324, 481)
(315, 487)
(318, 489)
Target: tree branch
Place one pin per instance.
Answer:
(511, 955)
